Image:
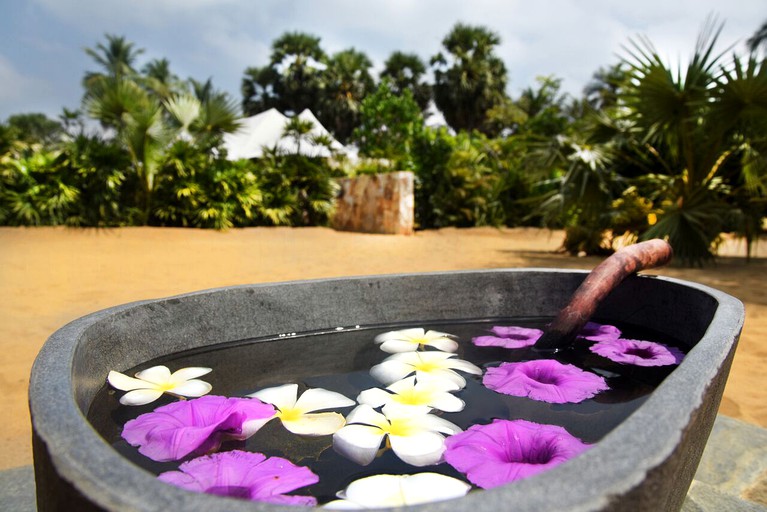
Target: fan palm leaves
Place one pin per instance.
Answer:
(405, 72)
(704, 125)
(469, 79)
(758, 39)
(347, 82)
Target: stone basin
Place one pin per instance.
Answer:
(645, 464)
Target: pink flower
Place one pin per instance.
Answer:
(545, 380)
(598, 332)
(509, 337)
(196, 426)
(638, 352)
(246, 475)
(504, 451)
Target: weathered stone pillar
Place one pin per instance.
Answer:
(376, 203)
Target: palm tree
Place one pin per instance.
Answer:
(300, 60)
(471, 79)
(117, 59)
(291, 82)
(758, 39)
(603, 89)
(704, 128)
(405, 71)
(347, 81)
(217, 113)
(544, 108)
(160, 79)
(259, 90)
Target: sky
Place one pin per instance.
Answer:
(42, 42)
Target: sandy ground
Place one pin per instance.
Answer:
(50, 276)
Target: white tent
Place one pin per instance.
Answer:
(265, 130)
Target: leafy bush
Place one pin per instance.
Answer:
(465, 180)
(33, 191)
(196, 188)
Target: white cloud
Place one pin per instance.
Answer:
(220, 38)
(20, 93)
(13, 83)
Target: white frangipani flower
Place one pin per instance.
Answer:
(384, 491)
(416, 436)
(431, 392)
(433, 363)
(297, 414)
(410, 340)
(150, 384)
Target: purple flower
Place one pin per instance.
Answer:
(245, 475)
(638, 352)
(597, 332)
(509, 337)
(545, 380)
(196, 426)
(504, 451)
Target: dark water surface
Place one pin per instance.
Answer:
(339, 360)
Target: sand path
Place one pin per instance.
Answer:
(50, 276)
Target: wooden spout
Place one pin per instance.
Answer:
(598, 284)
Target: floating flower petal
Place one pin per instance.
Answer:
(435, 364)
(638, 352)
(195, 426)
(410, 392)
(545, 380)
(598, 332)
(383, 491)
(410, 340)
(504, 451)
(294, 412)
(416, 437)
(245, 475)
(509, 337)
(150, 384)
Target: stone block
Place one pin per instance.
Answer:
(376, 203)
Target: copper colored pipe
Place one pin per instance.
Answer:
(597, 285)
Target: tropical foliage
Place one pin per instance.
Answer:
(469, 79)
(704, 131)
(648, 150)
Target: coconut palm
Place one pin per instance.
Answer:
(117, 58)
(159, 79)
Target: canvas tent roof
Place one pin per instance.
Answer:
(265, 130)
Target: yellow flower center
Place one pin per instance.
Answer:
(413, 397)
(420, 340)
(291, 414)
(426, 366)
(400, 427)
(166, 386)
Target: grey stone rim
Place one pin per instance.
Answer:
(612, 467)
